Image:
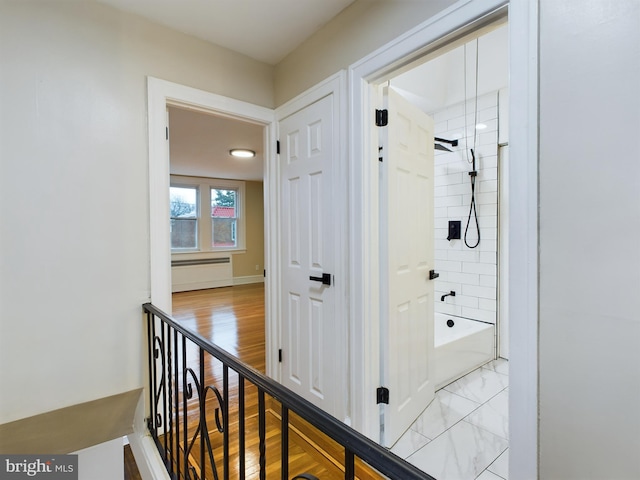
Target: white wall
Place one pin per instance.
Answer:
(589, 239)
(74, 191)
(102, 462)
(470, 272)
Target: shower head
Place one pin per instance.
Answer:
(441, 147)
(453, 143)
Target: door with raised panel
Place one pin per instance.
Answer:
(307, 241)
(407, 246)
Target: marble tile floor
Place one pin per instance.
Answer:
(463, 434)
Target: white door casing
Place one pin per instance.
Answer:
(407, 256)
(162, 93)
(310, 197)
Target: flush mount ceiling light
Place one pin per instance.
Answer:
(242, 153)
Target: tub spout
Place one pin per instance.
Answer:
(451, 293)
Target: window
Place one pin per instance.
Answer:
(193, 229)
(224, 218)
(183, 205)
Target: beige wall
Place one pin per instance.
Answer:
(244, 264)
(360, 29)
(74, 198)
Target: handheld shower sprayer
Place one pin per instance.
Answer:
(473, 173)
(472, 209)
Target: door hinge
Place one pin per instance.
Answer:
(382, 395)
(278, 147)
(382, 117)
(167, 133)
(280, 355)
(380, 158)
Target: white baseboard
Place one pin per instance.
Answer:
(227, 282)
(249, 279)
(187, 287)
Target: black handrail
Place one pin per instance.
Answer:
(355, 443)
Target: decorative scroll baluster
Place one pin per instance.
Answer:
(183, 391)
(165, 358)
(158, 353)
(170, 397)
(193, 384)
(176, 407)
(185, 396)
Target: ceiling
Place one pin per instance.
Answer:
(199, 146)
(200, 142)
(266, 30)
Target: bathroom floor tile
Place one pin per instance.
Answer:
(445, 411)
(480, 385)
(501, 466)
(493, 415)
(409, 443)
(500, 366)
(487, 475)
(461, 453)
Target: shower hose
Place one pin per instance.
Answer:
(472, 207)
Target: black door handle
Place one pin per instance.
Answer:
(325, 279)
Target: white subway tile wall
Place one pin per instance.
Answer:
(471, 273)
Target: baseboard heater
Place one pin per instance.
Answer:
(201, 273)
(200, 261)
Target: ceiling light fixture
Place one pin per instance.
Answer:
(242, 153)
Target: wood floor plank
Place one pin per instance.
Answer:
(131, 471)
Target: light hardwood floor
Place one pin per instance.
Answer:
(233, 318)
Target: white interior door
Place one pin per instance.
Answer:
(407, 246)
(307, 236)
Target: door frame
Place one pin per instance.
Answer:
(161, 94)
(457, 21)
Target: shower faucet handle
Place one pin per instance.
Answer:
(433, 275)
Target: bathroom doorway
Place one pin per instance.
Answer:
(464, 89)
(430, 40)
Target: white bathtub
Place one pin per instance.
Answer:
(461, 348)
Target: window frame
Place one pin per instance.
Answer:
(204, 185)
(235, 217)
(196, 218)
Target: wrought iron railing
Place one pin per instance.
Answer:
(192, 382)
